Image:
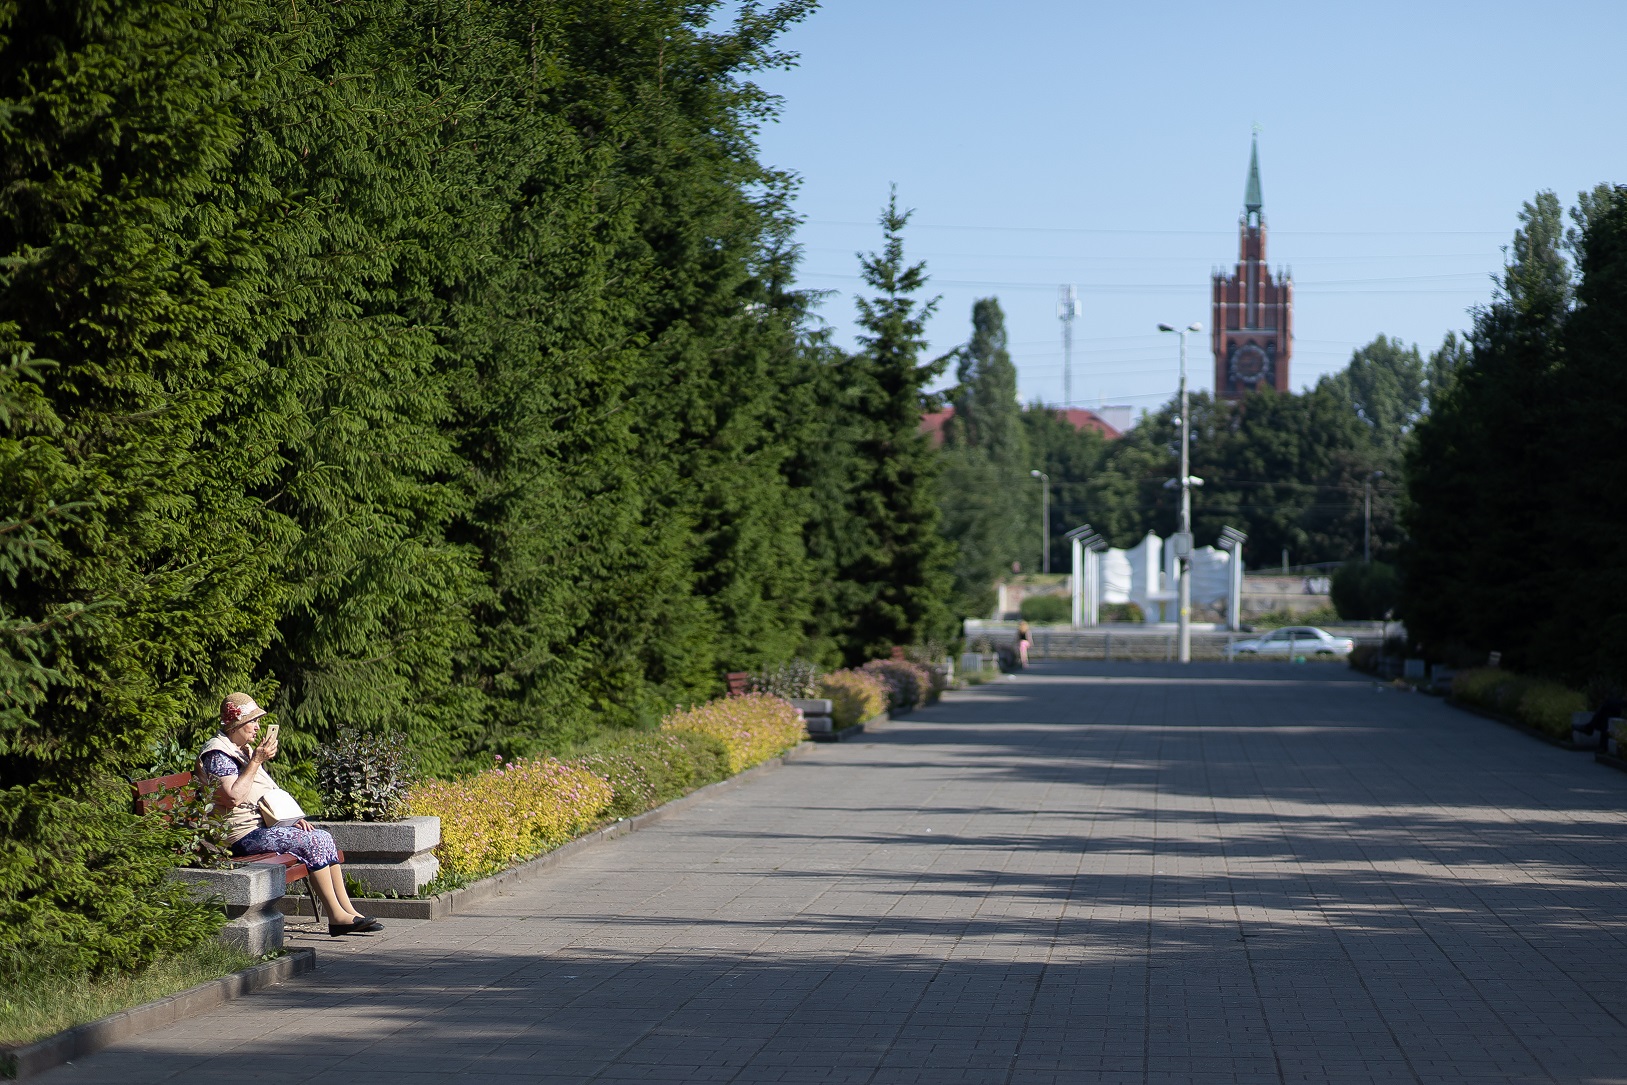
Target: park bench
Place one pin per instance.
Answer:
(159, 794)
(739, 683)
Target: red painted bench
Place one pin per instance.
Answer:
(159, 794)
(739, 683)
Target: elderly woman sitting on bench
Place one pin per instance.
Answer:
(236, 769)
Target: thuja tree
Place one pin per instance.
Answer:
(1480, 475)
(985, 464)
(1514, 516)
(623, 369)
(140, 574)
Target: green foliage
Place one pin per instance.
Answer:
(646, 769)
(425, 369)
(1384, 386)
(200, 827)
(894, 563)
(1085, 488)
(1369, 591)
(1122, 612)
(83, 885)
(1514, 504)
(985, 464)
(1047, 608)
(363, 776)
(1535, 702)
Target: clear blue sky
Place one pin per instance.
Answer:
(1107, 145)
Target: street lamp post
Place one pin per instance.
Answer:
(1184, 597)
(1044, 519)
(1367, 516)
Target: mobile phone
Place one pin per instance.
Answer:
(271, 732)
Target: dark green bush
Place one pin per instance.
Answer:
(1366, 591)
(1047, 608)
(364, 776)
(1122, 612)
(84, 886)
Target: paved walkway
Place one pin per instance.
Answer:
(1092, 873)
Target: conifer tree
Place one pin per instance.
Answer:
(1480, 473)
(905, 564)
(1582, 635)
(139, 574)
(984, 463)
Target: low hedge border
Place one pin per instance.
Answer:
(1510, 721)
(28, 1060)
(460, 900)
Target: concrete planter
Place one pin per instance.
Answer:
(388, 856)
(250, 892)
(815, 714)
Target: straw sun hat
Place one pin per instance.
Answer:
(238, 709)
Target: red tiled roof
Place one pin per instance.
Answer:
(932, 422)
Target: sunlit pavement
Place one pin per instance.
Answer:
(1090, 873)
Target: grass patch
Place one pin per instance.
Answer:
(35, 1007)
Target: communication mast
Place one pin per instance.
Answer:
(1067, 307)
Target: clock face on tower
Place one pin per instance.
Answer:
(1247, 364)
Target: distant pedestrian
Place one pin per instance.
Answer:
(1024, 639)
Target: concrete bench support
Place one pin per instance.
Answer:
(389, 856)
(816, 714)
(250, 892)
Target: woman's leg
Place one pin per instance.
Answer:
(323, 882)
(339, 890)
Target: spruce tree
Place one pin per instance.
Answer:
(905, 564)
(139, 573)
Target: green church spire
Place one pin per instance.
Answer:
(1252, 203)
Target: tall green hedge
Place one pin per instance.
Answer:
(1515, 479)
(416, 366)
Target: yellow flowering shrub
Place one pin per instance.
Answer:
(752, 728)
(855, 696)
(509, 813)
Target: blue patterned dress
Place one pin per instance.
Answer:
(313, 847)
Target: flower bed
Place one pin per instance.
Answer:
(509, 813)
(752, 728)
(910, 684)
(645, 769)
(1535, 702)
(855, 696)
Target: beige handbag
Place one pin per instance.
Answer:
(277, 807)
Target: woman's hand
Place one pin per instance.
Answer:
(266, 750)
(303, 824)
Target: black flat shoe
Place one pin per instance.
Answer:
(364, 925)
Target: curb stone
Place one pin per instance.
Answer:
(454, 901)
(29, 1060)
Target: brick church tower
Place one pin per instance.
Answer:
(1253, 318)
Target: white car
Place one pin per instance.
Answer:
(1298, 640)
